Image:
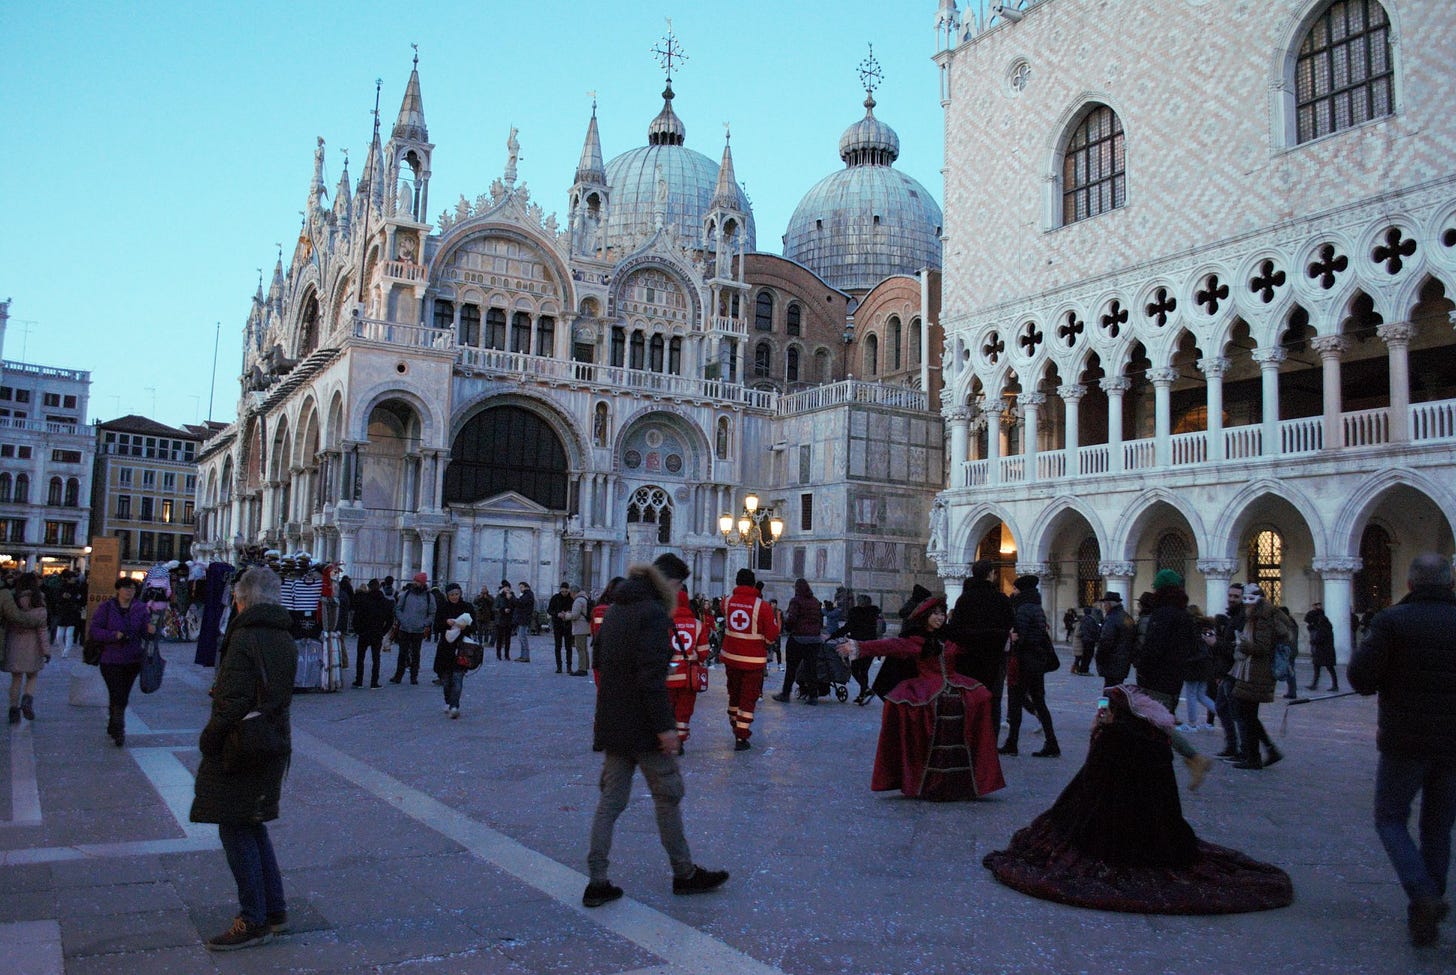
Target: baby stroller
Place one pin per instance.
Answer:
(831, 672)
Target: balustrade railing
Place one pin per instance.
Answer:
(974, 473)
(852, 391)
(83, 430)
(1189, 448)
(1366, 428)
(409, 336)
(1051, 464)
(1095, 459)
(1242, 443)
(1139, 455)
(404, 270)
(1433, 421)
(1303, 435)
(1013, 469)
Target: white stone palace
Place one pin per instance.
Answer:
(1199, 263)
(499, 394)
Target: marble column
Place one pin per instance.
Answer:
(347, 537)
(1115, 387)
(1031, 404)
(1330, 349)
(1071, 395)
(1269, 361)
(993, 443)
(1397, 337)
(1337, 575)
(1217, 573)
(1119, 576)
(1163, 415)
(427, 553)
(958, 420)
(1214, 368)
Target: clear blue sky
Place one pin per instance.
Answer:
(157, 151)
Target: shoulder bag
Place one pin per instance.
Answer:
(254, 740)
(154, 665)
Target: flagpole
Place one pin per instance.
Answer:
(212, 387)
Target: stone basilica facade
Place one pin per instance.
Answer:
(502, 393)
(1199, 269)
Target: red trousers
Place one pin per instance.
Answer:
(684, 699)
(744, 689)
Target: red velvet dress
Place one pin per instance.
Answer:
(936, 739)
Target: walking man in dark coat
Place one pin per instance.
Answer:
(1409, 659)
(635, 726)
(980, 626)
(259, 660)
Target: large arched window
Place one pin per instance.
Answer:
(762, 360)
(4, 487)
(22, 489)
(495, 329)
(521, 333)
(674, 355)
(639, 351)
(914, 341)
(896, 344)
(469, 324)
(763, 312)
(619, 346)
(656, 349)
(1344, 74)
(872, 355)
(445, 318)
(653, 506)
(1265, 563)
(546, 336)
(1089, 579)
(507, 448)
(1094, 166)
(791, 365)
(794, 319)
(308, 327)
(1373, 581)
(1172, 553)
(54, 491)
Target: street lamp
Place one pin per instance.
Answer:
(750, 525)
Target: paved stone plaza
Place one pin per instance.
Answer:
(415, 844)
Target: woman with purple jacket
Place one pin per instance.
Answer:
(122, 624)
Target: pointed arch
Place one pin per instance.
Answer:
(1054, 518)
(1239, 514)
(1350, 521)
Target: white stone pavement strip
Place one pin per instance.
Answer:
(173, 782)
(24, 791)
(692, 952)
(32, 948)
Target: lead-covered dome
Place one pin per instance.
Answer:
(868, 221)
(691, 178)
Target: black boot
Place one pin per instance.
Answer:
(27, 707)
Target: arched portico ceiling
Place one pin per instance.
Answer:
(973, 525)
(1056, 519)
(1275, 502)
(1152, 507)
(1405, 492)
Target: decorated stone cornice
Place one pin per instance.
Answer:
(1217, 568)
(1072, 391)
(1271, 356)
(1337, 568)
(1330, 346)
(1396, 333)
(1117, 570)
(1213, 366)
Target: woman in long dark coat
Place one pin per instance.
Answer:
(936, 737)
(259, 660)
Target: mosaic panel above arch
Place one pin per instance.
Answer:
(659, 450)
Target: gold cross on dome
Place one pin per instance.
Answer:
(668, 51)
(870, 74)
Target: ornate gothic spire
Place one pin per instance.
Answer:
(591, 169)
(411, 122)
(727, 195)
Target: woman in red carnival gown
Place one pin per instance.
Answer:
(923, 752)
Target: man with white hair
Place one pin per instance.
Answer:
(1409, 660)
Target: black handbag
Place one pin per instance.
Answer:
(255, 740)
(154, 665)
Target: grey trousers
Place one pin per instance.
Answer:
(666, 784)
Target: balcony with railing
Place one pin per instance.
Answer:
(1427, 424)
(84, 431)
(853, 391)
(518, 366)
(45, 372)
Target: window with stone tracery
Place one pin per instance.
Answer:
(1344, 74)
(1372, 584)
(1172, 552)
(1266, 563)
(1089, 578)
(1094, 166)
(652, 505)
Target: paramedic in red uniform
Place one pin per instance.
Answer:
(689, 646)
(749, 628)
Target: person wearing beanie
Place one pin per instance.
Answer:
(749, 628)
(414, 614)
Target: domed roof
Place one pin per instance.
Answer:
(691, 179)
(868, 221)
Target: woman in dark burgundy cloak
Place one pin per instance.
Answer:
(936, 739)
(1116, 838)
